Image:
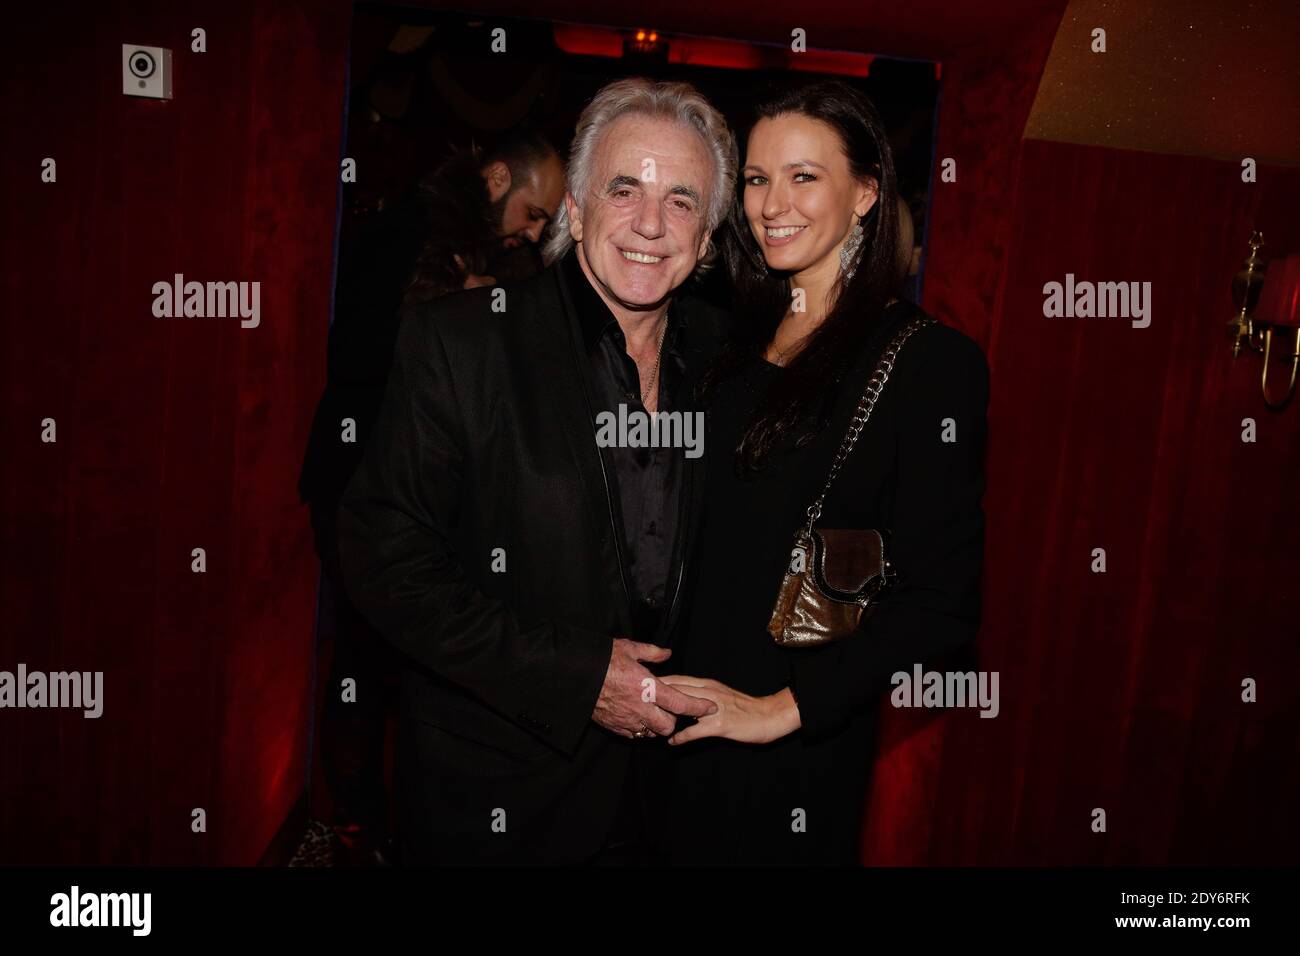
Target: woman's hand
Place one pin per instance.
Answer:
(472, 281)
(739, 717)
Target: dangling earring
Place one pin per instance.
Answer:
(849, 251)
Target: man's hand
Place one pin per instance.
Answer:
(633, 700)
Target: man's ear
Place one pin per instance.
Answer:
(497, 177)
(867, 197)
(574, 212)
(704, 247)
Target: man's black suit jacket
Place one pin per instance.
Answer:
(484, 454)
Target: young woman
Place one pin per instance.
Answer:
(778, 774)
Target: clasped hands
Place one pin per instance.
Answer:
(635, 703)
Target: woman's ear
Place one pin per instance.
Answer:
(867, 197)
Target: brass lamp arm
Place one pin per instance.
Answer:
(1294, 356)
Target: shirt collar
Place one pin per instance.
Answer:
(594, 315)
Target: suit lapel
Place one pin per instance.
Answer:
(560, 347)
(698, 354)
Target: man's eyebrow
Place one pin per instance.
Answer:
(686, 191)
(619, 181)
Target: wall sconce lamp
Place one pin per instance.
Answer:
(1266, 307)
(647, 45)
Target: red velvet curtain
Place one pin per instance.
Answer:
(172, 434)
(1123, 690)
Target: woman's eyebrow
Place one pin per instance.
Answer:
(793, 165)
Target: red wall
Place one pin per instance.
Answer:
(172, 433)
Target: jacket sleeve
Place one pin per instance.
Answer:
(401, 570)
(937, 542)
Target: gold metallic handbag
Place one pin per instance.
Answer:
(836, 577)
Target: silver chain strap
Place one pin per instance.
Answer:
(875, 385)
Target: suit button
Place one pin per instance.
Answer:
(533, 722)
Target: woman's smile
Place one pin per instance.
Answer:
(782, 235)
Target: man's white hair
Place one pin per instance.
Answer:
(679, 102)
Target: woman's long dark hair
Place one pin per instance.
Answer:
(795, 408)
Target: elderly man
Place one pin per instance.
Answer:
(527, 571)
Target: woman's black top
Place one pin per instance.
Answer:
(917, 471)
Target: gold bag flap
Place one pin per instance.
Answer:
(850, 557)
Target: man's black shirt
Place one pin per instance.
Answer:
(649, 480)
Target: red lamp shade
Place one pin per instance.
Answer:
(1279, 300)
